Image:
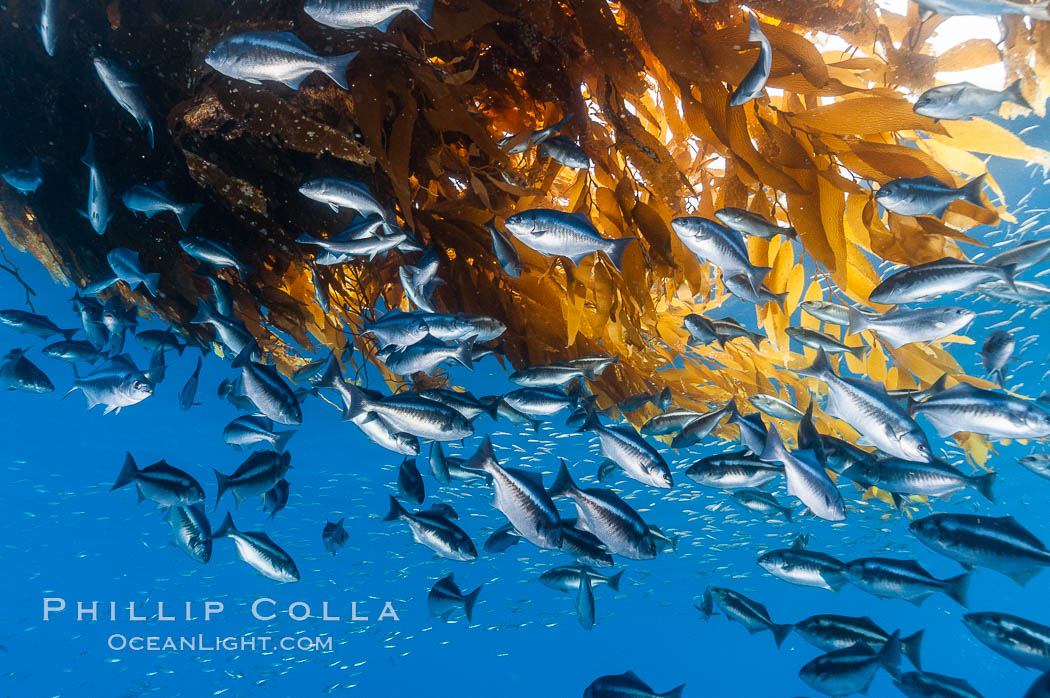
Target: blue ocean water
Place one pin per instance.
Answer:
(67, 536)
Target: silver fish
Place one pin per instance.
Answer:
(19, 373)
(1022, 641)
(259, 551)
(570, 235)
(161, 483)
(748, 223)
(851, 670)
(231, 332)
(504, 250)
(127, 92)
(25, 179)
(356, 14)
(251, 430)
(191, 531)
(806, 478)
(903, 579)
(565, 151)
(189, 389)
(254, 477)
(964, 100)
(731, 471)
(435, 532)
(520, 495)
(999, 543)
(807, 568)
(748, 612)
(996, 353)
(923, 684)
(818, 340)
(115, 384)
(278, 56)
(603, 513)
(716, 244)
(995, 415)
(925, 281)
(265, 387)
(951, 8)
(31, 323)
(216, 253)
(630, 452)
(445, 597)
(901, 327)
(627, 685)
(127, 268)
(926, 196)
(755, 80)
(1023, 256)
(99, 210)
(49, 25)
(829, 632)
(410, 414)
(868, 409)
(344, 193)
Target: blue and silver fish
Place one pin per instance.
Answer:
(99, 211)
(755, 80)
(356, 14)
(278, 56)
(570, 235)
(25, 179)
(151, 199)
(127, 92)
(926, 196)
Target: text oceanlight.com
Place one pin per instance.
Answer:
(231, 643)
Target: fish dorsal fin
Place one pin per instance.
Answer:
(123, 361)
(631, 678)
(912, 566)
(527, 475)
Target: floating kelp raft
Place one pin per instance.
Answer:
(444, 123)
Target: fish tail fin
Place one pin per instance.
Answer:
(858, 321)
(614, 580)
(468, 603)
(971, 191)
(790, 233)
(226, 528)
(890, 655)
(127, 473)
(483, 458)
(787, 514)
(563, 485)
(590, 423)
(911, 647)
(68, 334)
(858, 352)
(336, 67)
(281, 440)
(438, 464)
(616, 249)
(425, 11)
(820, 368)
(149, 135)
(222, 484)
(186, 213)
(152, 281)
(754, 32)
(1015, 94)
(205, 313)
(675, 692)
(780, 632)
(245, 357)
(780, 299)
(983, 484)
(396, 510)
(465, 352)
(957, 587)
(940, 385)
(492, 408)
(1009, 270)
(1040, 10)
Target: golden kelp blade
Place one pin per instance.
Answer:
(647, 84)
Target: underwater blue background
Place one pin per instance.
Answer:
(65, 534)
